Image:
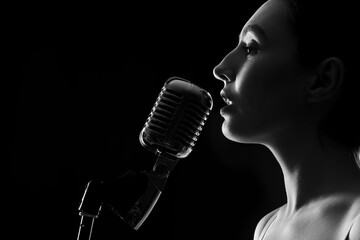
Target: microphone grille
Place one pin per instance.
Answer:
(177, 118)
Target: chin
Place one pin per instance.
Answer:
(229, 134)
(238, 135)
(226, 132)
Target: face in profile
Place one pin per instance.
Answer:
(264, 87)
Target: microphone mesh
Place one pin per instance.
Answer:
(177, 118)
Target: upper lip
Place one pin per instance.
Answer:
(225, 98)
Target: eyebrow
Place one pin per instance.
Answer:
(256, 29)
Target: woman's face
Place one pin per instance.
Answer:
(264, 85)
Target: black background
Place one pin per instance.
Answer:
(85, 80)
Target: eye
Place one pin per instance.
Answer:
(251, 49)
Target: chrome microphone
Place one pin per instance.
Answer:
(171, 131)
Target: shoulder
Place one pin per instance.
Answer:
(263, 223)
(354, 233)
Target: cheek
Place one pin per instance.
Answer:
(268, 93)
(267, 85)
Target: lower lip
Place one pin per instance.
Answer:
(225, 110)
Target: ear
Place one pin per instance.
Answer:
(328, 80)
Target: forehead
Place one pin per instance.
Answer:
(272, 16)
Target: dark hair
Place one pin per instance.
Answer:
(327, 28)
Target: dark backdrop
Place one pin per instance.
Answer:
(84, 82)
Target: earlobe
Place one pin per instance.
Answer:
(328, 80)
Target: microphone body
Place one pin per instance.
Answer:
(171, 131)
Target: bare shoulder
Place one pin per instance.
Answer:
(355, 229)
(263, 222)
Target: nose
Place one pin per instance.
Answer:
(220, 73)
(223, 71)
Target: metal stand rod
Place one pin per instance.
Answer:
(85, 229)
(90, 208)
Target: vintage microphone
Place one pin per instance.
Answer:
(170, 132)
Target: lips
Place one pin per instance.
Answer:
(226, 110)
(225, 98)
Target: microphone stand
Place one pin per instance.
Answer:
(131, 196)
(89, 208)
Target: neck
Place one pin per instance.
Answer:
(314, 169)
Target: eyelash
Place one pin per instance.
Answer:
(251, 48)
